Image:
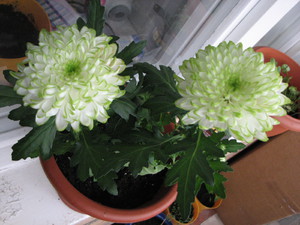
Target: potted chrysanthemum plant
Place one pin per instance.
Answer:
(106, 119)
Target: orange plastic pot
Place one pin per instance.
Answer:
(36, 15)
(216, 205)
(80, 203)
(196, 211)
(286, 122)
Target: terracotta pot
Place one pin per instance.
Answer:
(196, 211)
(286, 122)
(38, 17)
(80, 203)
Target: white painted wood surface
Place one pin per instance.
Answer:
(28, 198)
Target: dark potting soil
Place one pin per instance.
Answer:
(174, 210)
(132, 192)
(206, 198)
(16, 31)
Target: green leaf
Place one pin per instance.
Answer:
(131, 51)
(131, 85)
(168, 74)
(179, 147)
(114, 39)
(163, 77)
(87, 156)
(198, 184)
(136, 154)
(129, 71)
(8, 96)
(117, 126)
(38, 142)
(162, 104)
(95, 18)
(80, 23)
(216, 137)
(231, 145)
(219, 166)
(63, 143)
(9, 77)
(191, 165)
(211, 148)
(134, 88)
(124, 107)
(108, 183)
(218, 187)
(25, 114)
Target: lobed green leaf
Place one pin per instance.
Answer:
(131, 51)
(192, 164)
(124, 107)
(232, 145)
(38, 142)
(87, 156)
(24, 114)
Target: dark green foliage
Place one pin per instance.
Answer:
(64, 142)
(8, 96)
(137, 151)
(131, 51)
(200, 163)
(162, 79)
(38, 142)
(95, 18)
(107, 183)
(9, 77)
(291, 92)
(80, 23)
(124, 107)
(294, 95)
(231, 146)
(87, 156)
(25, 115)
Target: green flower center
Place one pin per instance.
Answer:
(72, 68)
(234, 83)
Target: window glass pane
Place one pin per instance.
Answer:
(285, 35)
(162, 23)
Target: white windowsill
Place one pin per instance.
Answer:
(27, 197)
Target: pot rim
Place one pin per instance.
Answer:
(77, 201)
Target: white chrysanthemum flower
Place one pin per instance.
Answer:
(226, 87)
(72, 75)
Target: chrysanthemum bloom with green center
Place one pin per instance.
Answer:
(226, 87)
(72, 75)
